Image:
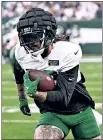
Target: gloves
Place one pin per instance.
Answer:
(31, 87)
(24, 106)
(49, 71)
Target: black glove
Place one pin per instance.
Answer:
(23, 104)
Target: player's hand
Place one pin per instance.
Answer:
(31, 87)
(23, 104)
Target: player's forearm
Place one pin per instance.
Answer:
(20, 88)
(51, 96)
(18, 73)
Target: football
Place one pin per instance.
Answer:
(46, 82)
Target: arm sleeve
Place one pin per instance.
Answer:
(18, 73)
(66, 82)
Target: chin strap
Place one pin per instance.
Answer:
(43, 40)
(48, 42)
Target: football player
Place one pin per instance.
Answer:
(67, 107)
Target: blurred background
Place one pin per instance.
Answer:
(82, 22)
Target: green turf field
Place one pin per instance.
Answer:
(17, 126)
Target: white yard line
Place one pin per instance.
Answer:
(9, 97)
(8, 83)
(92, 83)
(97, 97)
(13, 109)
(98, 105)
(94, 75)
(91, 60)
(12, 97)
(6, 71)
(94, 89)
(19, 121)
(9, 89)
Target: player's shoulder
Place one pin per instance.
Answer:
(64, 49)
(66, 46)
(19, 51)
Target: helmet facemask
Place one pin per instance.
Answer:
(34, 41)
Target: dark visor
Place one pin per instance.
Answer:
(32, 37)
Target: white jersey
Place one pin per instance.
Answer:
(64, 56)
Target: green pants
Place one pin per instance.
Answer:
(83, 124)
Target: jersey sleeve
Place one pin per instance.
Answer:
(18, 73)
(66, 82)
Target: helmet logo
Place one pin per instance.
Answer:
(48, 27)
(27, 30)
(35, 25)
